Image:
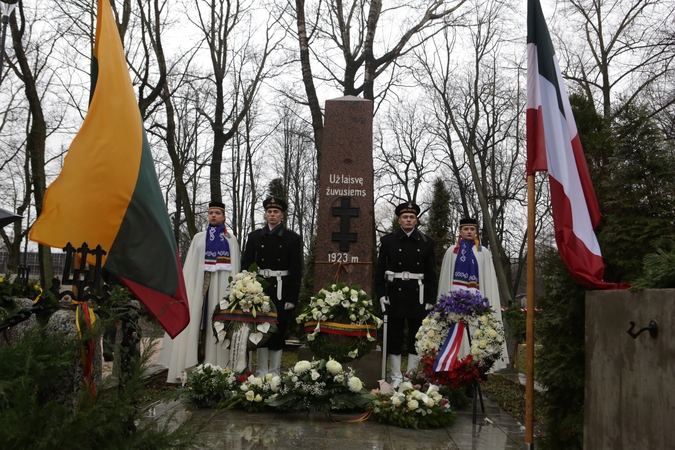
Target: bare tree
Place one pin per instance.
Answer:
(477, 113)
(626, 49)
(239, 52)
(343, 40)
(404, 152)
(33, 51)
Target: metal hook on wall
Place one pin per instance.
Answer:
(653, 329)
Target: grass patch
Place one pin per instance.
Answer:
(510, 396)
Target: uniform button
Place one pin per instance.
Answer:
(281, 246)
(418, 250)
(399, 289)
(418, 264)
(262, 259)
(400, 263)
(400, 249)
(279, 259)
(262, 246)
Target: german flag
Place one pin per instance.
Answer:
(108, 192)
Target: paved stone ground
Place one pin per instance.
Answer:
(237, 430)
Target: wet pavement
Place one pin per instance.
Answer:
(238, 430)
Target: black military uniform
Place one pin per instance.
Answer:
(276, 252)
(406, 275)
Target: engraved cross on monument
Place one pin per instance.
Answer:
(345, 212)
(345, 224)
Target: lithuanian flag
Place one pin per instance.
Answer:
(108, 192)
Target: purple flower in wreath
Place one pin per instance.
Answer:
(462, 302)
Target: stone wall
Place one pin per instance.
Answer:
(629, 383)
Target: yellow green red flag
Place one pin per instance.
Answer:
(108, 193)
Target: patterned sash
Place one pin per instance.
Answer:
(217, 254)
(466, 268)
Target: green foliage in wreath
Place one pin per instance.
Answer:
(340, 304)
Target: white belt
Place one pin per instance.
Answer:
(267, 273)
(405, 276)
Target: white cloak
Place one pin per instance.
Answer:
(488, 288)
(180, 353)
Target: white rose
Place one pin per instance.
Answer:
(396, 400)
(258, 398)
(244, 387)
(413, 405)
(345, 289)
(352, 317)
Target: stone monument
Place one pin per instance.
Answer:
(345, 239)
(345, 244)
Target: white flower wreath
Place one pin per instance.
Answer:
(487, 333)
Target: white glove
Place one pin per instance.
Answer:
(384, 300)
(428, 306)
(289, 305)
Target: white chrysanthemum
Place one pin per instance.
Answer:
(333, 366)
(355, 385)
(302, 367)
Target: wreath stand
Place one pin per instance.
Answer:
(476, 385)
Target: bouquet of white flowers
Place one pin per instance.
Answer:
(207, 384)
(340, 323)
(245, 318)
(319, 386)
(412, 408)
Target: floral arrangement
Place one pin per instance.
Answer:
(487, 336)
(319, 386)
(252, 392)
(246, 318)
(340, 323)
(411, 408)
(207, 385)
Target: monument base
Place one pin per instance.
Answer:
(368, 368)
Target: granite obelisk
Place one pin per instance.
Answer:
(344, 242)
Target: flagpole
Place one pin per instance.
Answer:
(529, 340)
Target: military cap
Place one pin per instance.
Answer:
(407, 208)
(276, 203)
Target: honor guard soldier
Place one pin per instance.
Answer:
(278, 253)
(405, 281)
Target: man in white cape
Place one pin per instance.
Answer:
(213, 257)
(487, 281)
